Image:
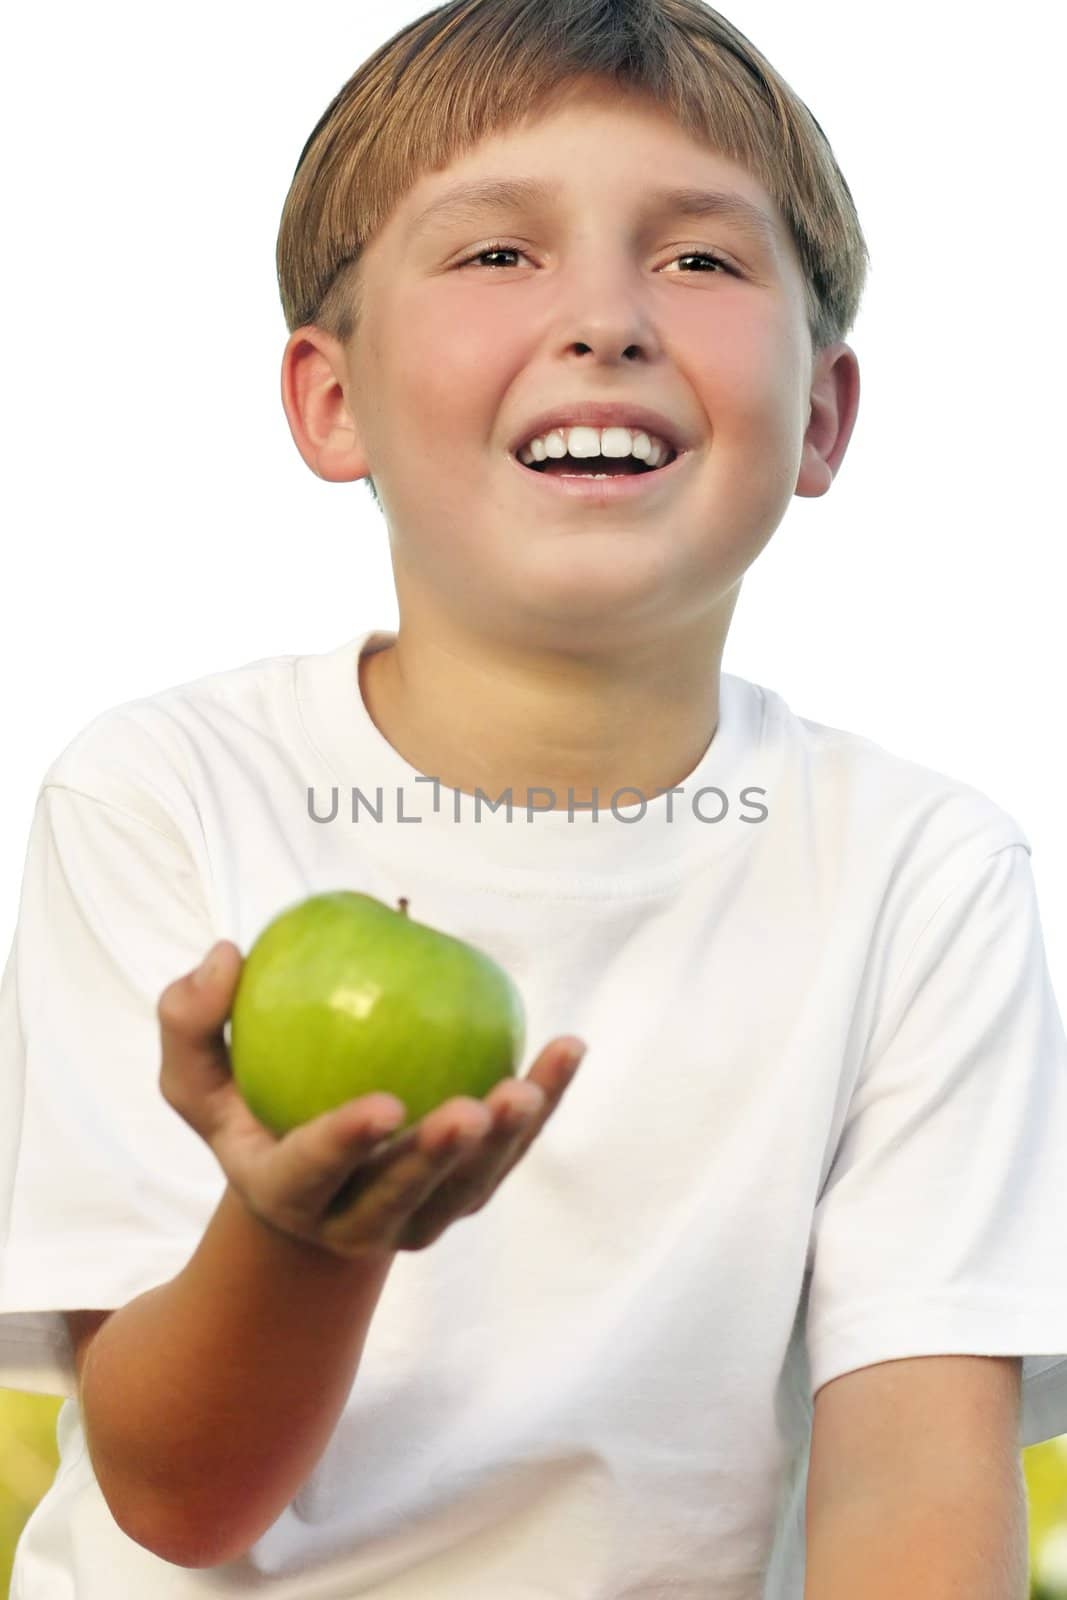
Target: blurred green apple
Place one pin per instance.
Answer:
(341, 996)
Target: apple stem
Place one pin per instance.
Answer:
(402, 905)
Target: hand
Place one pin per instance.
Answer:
(349, 1181)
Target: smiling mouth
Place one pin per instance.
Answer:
(595, 466)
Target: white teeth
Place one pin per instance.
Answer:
(583, 442)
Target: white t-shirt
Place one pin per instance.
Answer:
(821, 1123)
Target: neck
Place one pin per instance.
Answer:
(584, 729)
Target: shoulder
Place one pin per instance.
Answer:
(148, 756)
(864, 789)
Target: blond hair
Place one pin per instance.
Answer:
(471, 68)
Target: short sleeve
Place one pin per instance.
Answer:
(104, 1190)
(942, 1225)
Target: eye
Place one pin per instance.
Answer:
(687, 255)
(708, 255)
(494, 250)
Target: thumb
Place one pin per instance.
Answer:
(216, 976)
(191, 1011)
(195, 1006)
(217, 973)
(208, 991)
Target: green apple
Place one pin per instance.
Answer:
(341, 996)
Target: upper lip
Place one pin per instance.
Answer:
(602, 414)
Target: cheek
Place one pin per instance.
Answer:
(445, 374)
(742, 377)
(456, 338)
(750, 388)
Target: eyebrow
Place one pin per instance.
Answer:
(466, 201)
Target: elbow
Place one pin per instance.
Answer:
(182, 1547)
(164, 1541)
(170, 1527)
(190, 1542)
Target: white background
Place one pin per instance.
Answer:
(160, 524)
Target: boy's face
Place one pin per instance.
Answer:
(452, 361)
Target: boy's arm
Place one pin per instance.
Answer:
(915, 1483)
(918, 1542)
(208, 1401)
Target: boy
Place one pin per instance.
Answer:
(750, 1316)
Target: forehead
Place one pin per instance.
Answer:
(539, 163)
(468, 200)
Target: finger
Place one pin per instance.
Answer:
(557, 1064)
(194, 1007)
(376, 1202)
(195, 1066)
(518, 1123)
(520, 1110)
(546, 1082)
(310, 1163)
(513, 1104)
(482, 1170)
(465, 1175)
(511, 1101)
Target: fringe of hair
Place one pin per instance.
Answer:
(416, 105)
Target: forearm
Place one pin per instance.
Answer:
(908, 1543)
(208, 1400)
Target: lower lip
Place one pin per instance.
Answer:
(604, 491)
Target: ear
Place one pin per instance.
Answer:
(835, 401)
(316, 385)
